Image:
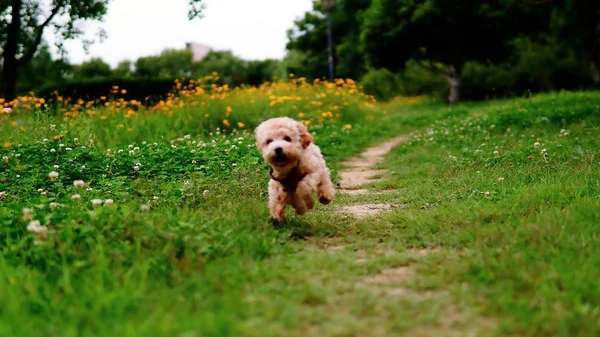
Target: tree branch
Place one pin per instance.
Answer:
(39, 34)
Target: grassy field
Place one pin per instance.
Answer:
(153, 222)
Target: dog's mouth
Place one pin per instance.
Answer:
(280, 160)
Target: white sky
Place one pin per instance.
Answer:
(252, 29)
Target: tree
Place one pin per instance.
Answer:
(443, 35)
(307, 41)
(232, 70)
(124, 69)
(23, 22)
(580, 25)
(170, 63)
(21, 30)
(95, 67)
(42, 71)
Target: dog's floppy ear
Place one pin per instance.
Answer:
(305, 137)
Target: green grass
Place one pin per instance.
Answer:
(517, 256)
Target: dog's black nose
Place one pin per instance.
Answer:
(278, 150)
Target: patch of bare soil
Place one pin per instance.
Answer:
(360, 169)
(360, 211)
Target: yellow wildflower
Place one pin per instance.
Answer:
(226, 123)
(348, 126)
(241, 125)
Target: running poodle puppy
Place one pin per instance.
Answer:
(297, 168)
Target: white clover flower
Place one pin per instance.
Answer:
(27, 214)
(68, 149)
(486, 193)
(187, 137)
(154, 198)
(83, 167)
(56, 167)
(40, 190)
(44, 193)
(227, 142)
(496, 153)
(76, 197)
(2, 195)
(108, 202)
(53, 175)
(96, 203)
(53, 205)
(536, 145)
(52, 150)
(88, 189)
(131, 152)
(52, 126)
(501, 179)
(61, 145)
(144, 208)
(76, 140)
(79, 184)
(136, 148)
(45, 140)
(453, 158)
(36, 227)
(234, 164)
(194, 162)
(136, 168)
(130, 146)
(144, 142)
(5, 159)
(205, 193)
(120, 151)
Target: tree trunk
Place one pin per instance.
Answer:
(454, 82)
(9, 69)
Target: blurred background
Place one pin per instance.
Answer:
(453, 50)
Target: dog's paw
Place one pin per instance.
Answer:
(325, 199)
(275, 221)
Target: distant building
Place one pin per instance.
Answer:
(199, 51)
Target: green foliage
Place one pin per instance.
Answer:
(309, 39)
(171, 63)
(232, 70)
(21, 30)
(42, 70)
(124, 69)
(381, 83)
(93, 68)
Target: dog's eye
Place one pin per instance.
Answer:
(287, 139)
(269, 141)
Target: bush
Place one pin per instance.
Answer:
(415, 80)
(143, 90)
(381, 83)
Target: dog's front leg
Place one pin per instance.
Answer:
(278, 200)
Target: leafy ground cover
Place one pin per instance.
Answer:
(153, 222)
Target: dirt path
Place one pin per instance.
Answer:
(361, 171)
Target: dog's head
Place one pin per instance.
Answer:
(281, 141)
